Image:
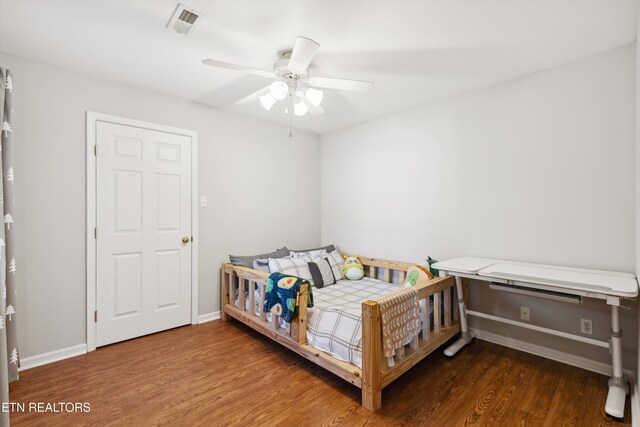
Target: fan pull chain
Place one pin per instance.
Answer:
(290, 125)
(290, 102)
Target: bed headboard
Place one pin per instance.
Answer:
(374, 267)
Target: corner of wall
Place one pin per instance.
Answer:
(637, 145)
(635, 400)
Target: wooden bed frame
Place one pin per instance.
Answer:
(375, 373)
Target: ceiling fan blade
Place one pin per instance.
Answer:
(341, 84)
(254, 96)
(303, 52)
(315, 111)
(228, 66)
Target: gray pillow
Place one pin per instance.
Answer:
(247, 260)
(322, 273)
(328, 248)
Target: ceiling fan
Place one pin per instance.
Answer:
(293, 84)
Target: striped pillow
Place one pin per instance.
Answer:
(292, 267)
(336, 262)
(307, 255)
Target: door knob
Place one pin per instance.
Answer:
(186, 239)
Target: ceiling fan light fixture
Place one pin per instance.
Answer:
(314, 96)
(290, 80)
(267, 101)
(279, 90)
(300, 108)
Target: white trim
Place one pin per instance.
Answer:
(204, 318)
(92, 119)
(91, 224)
(52, 356)
(559, 356)
(195, 206)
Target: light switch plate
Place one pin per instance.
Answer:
(203, 201)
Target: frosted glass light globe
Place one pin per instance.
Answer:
(314, 96)
(267, 101)
(279, 90)
(300, 108)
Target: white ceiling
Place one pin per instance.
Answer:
(415, 51)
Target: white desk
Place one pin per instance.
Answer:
(554, 282)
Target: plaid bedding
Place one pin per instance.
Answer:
(334, 324)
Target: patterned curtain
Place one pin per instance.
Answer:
(9, 359)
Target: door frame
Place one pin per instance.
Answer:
(91, 214)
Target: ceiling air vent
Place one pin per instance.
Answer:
(183, 19)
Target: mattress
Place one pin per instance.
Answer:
(334, 324)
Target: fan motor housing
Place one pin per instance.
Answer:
(280, 68)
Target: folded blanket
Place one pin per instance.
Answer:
(400, 313)
(281, 295)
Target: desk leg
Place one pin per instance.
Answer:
(465, 335)
(618, 386)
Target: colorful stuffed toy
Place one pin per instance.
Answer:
(417, 275)
(352, 268)
(427, 264)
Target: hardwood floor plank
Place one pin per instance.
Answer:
(226, 374)
(512, 387)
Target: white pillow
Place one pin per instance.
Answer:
(335, 261)
(292, 267)
(308, 256)
(261, 265)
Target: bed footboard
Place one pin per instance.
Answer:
(242, 297)
(436, 329)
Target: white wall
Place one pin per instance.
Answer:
(241, 161)
(540, 168)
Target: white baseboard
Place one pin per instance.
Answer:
(52, 356)
(76, 350)
(559, 356)
(208, 317)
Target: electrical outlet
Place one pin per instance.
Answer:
(524, 313)
(586, 326)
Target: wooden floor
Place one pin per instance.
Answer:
(226, 374)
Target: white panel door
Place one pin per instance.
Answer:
(144, 232)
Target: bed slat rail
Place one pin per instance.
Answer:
(243, 294)
(389, 271)
(437, 304)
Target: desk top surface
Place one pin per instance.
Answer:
(582, 279)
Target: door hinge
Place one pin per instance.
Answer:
(95, 233)
(95, 150)
(95, 315)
